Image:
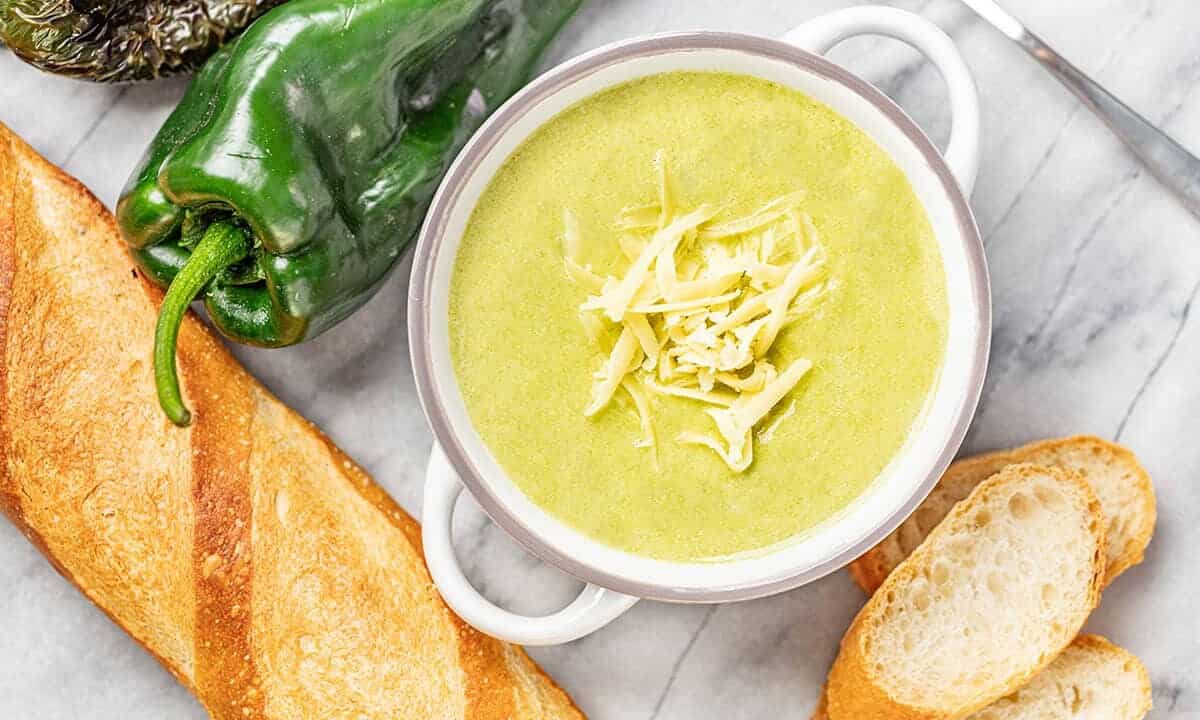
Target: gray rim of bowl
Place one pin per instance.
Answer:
(483, 141)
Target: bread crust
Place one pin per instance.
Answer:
(168, 530)
(855, 691)
(15, 196)
(872, 568)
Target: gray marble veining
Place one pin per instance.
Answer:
(1095, 272)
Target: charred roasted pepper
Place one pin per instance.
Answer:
(119, 40)
(300, 162)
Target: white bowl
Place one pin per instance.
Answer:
(616, 579)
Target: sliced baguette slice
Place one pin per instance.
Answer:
(1092, 679)
(1121, 483)
(991, 597)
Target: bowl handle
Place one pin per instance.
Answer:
(594, 608)
(820, 34)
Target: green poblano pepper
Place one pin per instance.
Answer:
(300, 162)
(119, 40)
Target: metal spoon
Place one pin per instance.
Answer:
(1167, 160)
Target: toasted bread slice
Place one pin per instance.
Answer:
(1121, 483)
(1092, 678)
(992, 596)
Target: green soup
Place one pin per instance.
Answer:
(525, 364)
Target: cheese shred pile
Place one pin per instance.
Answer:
(698, 309)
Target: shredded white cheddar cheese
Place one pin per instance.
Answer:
(698, 309)
(642, 406)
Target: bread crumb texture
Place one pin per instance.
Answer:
(1092, 679)
(993, 595)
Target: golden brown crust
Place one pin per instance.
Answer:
(226, 674)
(855, 691)
(17, 220)
(9, 502)
(488, 688)
(871, 569)
(821, 712)
(248, 554)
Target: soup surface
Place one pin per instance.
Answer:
(875, 337)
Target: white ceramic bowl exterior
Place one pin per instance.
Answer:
(616, 578)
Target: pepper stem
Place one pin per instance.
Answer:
(223, 244)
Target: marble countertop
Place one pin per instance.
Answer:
(1095, 270)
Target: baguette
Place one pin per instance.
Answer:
(1123, 486)
(258, 563)
(991, 597)
(1092, 678)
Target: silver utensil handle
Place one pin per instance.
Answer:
(1166, 159)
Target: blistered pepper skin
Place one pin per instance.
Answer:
(122, 40)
